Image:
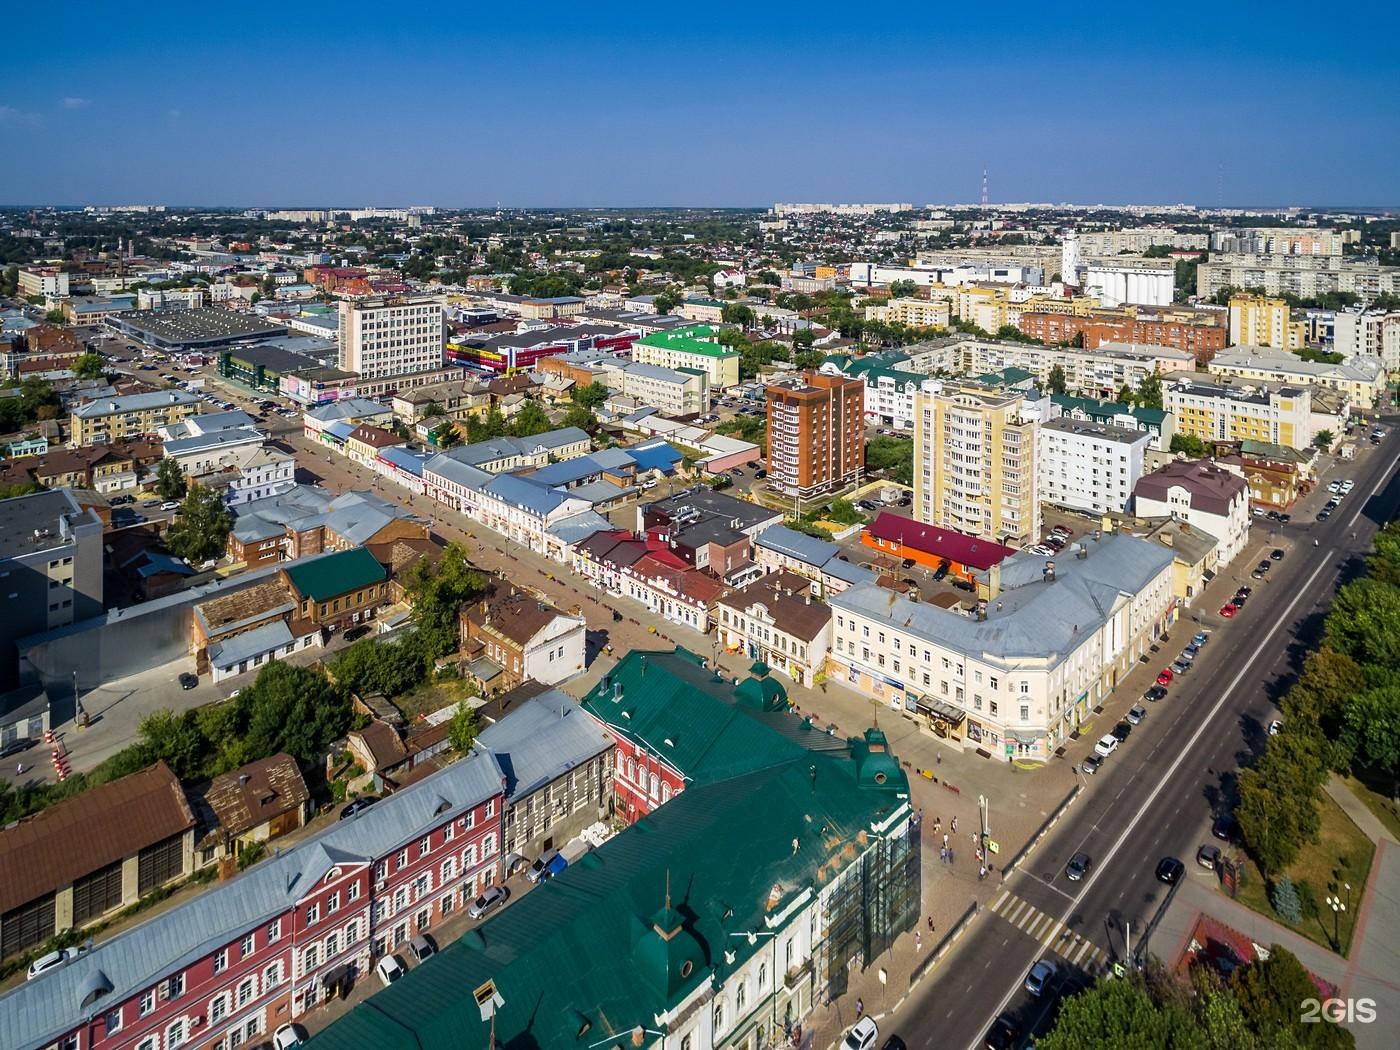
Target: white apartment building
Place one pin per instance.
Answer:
(1361, 333)
(1306, 276)
(1048, 640)
(671, 392)
(391, 336)
(1207, 497)
(1089, 466)
(914, 313)
(48, 281)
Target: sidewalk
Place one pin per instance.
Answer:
(1360, 814)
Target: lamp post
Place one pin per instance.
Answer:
(752, 937)
(1338, 906)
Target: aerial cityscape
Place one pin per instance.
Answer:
(876, 573)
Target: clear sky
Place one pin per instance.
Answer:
(461, 104)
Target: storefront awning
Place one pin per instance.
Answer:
(1029, 739)
(940, 709)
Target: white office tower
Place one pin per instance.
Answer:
(1069, 259)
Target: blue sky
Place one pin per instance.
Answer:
(630, 104)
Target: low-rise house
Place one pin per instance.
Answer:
(520, 636)
(252, 805)
(366, 442)
(1209, 497)
(779, 548)
(337, 590)
(305, 520)
(775, 621)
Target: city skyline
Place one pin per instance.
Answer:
(552, 108)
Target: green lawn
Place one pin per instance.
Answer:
(1342, 854)
(1385, 809)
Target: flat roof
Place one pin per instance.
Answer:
(208, 326)
(29, 524)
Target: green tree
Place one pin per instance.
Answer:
(530, 420)
(1149, 392)
(843, 512)
(591, 396)
(665, 302)
(1285, 900)
(445, 434)
(1384, 563)
(55, 317)
(1190, 444)
(437, 595)
(738, 314)
(1371, 732)
(462, 733)
(1323, 440)
(292, 709)
(170, 480)
(903, 289)
(1328, 680)
(200, 533)
(1127, 395)
(175, 740)
(1271, 993)
(88, 366)
(1364, 623)
(269, 286)
(894, 455)
(581, 417)
(9, 281)
(1122, 1015)
(1056, 380)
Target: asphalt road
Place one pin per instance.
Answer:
(1156, 796)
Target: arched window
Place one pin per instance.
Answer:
(665, 792)
(719, 1015)
(655, 786)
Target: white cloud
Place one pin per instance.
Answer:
(74, 102)
(10, 115)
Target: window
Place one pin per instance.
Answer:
(176, 1034)
(333, 903)
(762, 976)
(719, 1015)
(1025, 713)
(149, 1043)
(246, 990)
(112, 1021)
(741, 996)
(423, 847)
(274, 931)
(352, 892)
(332, 946)
(490, 807)
(221, 960)
(147, 1003)
(313, 913)
(272, 974)
(249, 944)
(174, 987)
(449, 832)
(310, 958)
(402, 859)
(218, 1008)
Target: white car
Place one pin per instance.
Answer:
(1348, 484)
(1106, 746)
(862, 1035)
(491, 899)
(45, 963)
(288, 1036)
(1275, 727)
(389, 969)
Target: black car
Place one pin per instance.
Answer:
(1223, 827)
(1169, 869)
(358, 631)
(357, 805)
(1003, 1035)
(1276, 554)
(1121, 731)
(941, 571)
(895, 1043)
(1264, 566)
(1272, 515)
(1155, 693)
(14, 747)
(1244, 592)
(1091, 763)
(187, 680)
(1284, 519)
(1078, 866)
(908, 563)
(1323, 515)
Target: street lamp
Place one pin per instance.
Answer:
(1338, 906)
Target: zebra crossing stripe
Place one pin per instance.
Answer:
(1083, 950)
(1033, 929)
(1031, 916)
(1049, 934)
(1000, 900)
(1015, 912)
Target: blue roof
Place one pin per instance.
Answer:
(794, 544)
(849, 572)
(158, 562)
(578, 527)
(524, 493)
(339, 430)
(655, 455)
(398, 456)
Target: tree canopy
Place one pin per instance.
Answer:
(200, 532)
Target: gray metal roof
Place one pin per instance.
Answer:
(1030, 618)
(542, 740)
(108, 406)
(579, 527)
(257, 642)
(37, 1012)
(793, 544)
(525, 494)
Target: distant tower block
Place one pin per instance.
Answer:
(1069, 259)
(984, 187)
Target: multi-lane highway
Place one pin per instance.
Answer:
(1156, 796)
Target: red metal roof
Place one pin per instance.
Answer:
(939, 542)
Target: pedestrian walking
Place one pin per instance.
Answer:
(930, 924)
(943, 854)
(945, 840)
(955, 824)
(982, 873)
(19, 769)
(918, 941)
(860, 1008)
(950, 854)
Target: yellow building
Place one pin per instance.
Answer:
(110, 419)
(914, 313)
(694, 347)
(1258, 321)
(974, 463)
(1280, 414)
(1361, 380)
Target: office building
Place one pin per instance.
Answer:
(975, 463)
(671, 391)
(1089, 466)
(50, 569)
(391, 336)
(1256, 320)
(816, 434)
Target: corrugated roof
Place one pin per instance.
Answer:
(253, 794)
(939, 542)
(334, 574)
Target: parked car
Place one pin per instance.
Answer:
(1223, 827)
(1200, 638)
(288, 1036)
(1169, 869)
(1208, 857)
(1165, 676)
(1276, 554)
(1275, 727)
(540, 869)
(1154, 694)
(1040, 978)
(1003, 1035)
(1091, 764)
(389, 969)
(170, 504)
(1078, 866)
(1108, 743)
(16, 746)
(1136, 714)
(187, 680)
(1347, 485)
(491, 899)
(1180, 667)
(1122, 730)
(422, 947)
(53, 960)
(358, 805)
(1228, 610)
(862, 1035)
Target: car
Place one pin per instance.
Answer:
(150, 504)
(358, 631)
(1223, 827)
(1154, 694)
(1062, 530)
(1091, 764)
(17, 746)
(1136, 714)
(1243, 591)
(1284, 519)
(491, 899)
(1257, 512)
(188, 680)
(170, 504)
(1169, 869)
(738, 472)
(1003, 1035)
(1264, 566)
(1323, 514)
(539, 870)
(1165, 676)
(940, 572)
(1200, 638)
(357, 805)
(1272, 515)
(1078, 866)
(1180, 666)
(53, 959)
(1229, 609)
(1332, 504)
(1040, 978)
(121, 501)
(288, 1036)
(1275, 727)
(422, 948)
(1122, 731)
(1276, 554)
(862, 1035)
(894, 1043)
(389, 969)
(1190, 651)
(907, 563)
(1334, 487)
(1208, 857)
(1108, 743)
(760, 474)
(1257, 574)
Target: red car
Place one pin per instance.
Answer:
(1229, 609)
(1165, 678)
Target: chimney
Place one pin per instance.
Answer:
(242, 779)
(981, 609)
(994, 580)
(1080, 551)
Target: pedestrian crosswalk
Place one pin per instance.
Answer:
(1050, 932)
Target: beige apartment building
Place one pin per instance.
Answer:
(111, 419)
(1280, 414)
(1257, 320)
(391, 336)
(1361, 380)
(975, 463)
(914, 313)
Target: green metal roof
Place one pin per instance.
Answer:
(692, 339)
(333, 574)
(602, 947)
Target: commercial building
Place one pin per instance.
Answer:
(520, 637)
(1147, 282)
(816, 434)
(51, 564)
(391, 336)
(110, 419)
(1207, 497)
(48, 281)
(776, 622)
(675, 392)
(186, 331)
(1273, 413)
(975, 463)
(897, 539)
(1050, 639)
(1089, 466)
(1256, 320)
(781, 549)
(1360, 380)
(695, 348)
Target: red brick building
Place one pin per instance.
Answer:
(1200, 334)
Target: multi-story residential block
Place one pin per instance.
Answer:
(1306, 276)
(775, 621)
(694, 347)
(1273, 413)
(391, 336)
(108, 419)
(816, 434)
(674, 392)
(523, 638)
(1362, 333)
(1089, 466)
(1137, 240)
(1205, 496)
(1157, 423)
(1360, 380)
(1049, 640)
(1200, 333)
(48, 281)
(914, 313)
(1256, 320)
(889, 389)
(1280, 240)
(51, 561)
(975, 463)
(226, 967)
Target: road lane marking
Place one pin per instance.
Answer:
(1004, 895)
